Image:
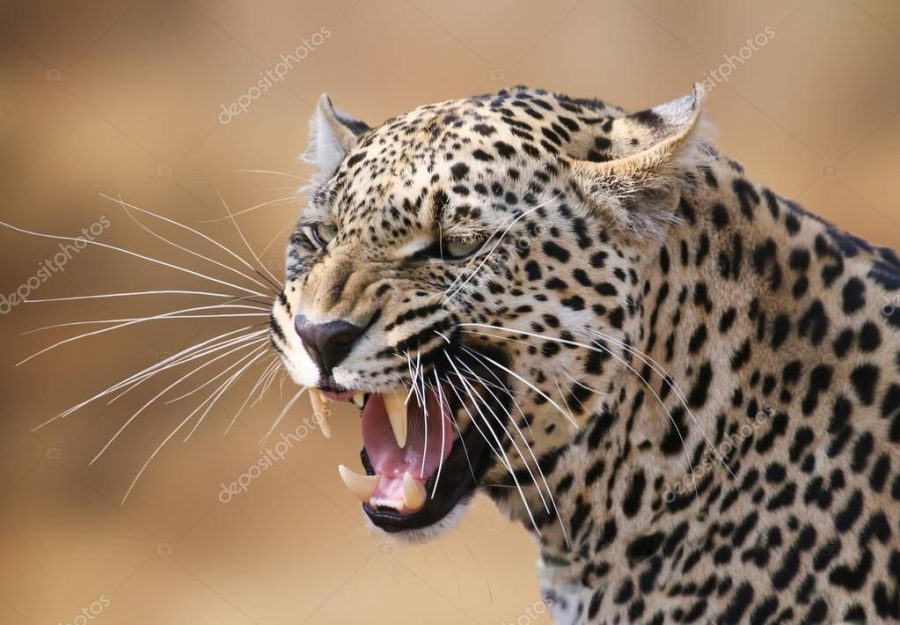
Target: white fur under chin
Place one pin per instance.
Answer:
(425, 534)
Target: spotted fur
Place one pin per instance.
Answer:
(710, 375)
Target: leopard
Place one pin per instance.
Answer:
(684, 386)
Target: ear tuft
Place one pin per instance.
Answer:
(332, 134)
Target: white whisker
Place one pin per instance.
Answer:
(282, 414)
(205, 237)
(259, 353)
(153, 233)
(216, 377)
(618, 358)
(281, 200)
(437, 383)
(273, 364)
(160, 394)
(101, 331)
(247, 243)
(268, 171)
(506, 461)
(159, 365)
(129, 294)
(529, 384)
(149, 259)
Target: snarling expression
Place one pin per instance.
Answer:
(443, 272)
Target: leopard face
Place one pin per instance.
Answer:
(451, 265)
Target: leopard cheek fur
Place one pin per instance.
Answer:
(706, 375)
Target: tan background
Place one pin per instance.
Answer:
(122, 97)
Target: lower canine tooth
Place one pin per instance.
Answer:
(360, 485)
(395, 405)
(414, 495)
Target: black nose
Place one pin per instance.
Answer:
(327, 343)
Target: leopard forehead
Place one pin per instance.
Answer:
(463, 155)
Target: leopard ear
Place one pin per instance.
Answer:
(332, 133)
(629, 165)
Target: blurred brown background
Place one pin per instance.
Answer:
(135, 99)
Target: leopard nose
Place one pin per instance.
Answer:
(327, 343)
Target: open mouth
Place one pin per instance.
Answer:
(418, 464)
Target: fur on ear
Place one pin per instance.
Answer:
(332, 134)
(634, 176)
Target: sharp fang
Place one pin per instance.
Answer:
(413, 493)
(359, 399)
(321, 411)
(395, 404)
(362, 486)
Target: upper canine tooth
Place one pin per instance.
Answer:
(363, 486)
(395, 404)
(359, 399)
(414, 494)
(321, 411)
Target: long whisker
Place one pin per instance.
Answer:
(278, 236)
(673, 384)
(167, 241)
(492, 250)
(506, 462)
(222, 373)
(271, 278)
(622, 361)
(281, 415)
(530, 385)
(256, 355)
(128, 294)
(559, 518)
(437, 383)
(472, 420)
(169, 315)
(149, 259)
(272, 364)
(192, 354)
(160, 394)
(512, 438)
(212, 399)
(100, 331)
(156, 366)
(281, 200)
(268, 171)
(227, 250)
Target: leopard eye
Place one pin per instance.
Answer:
(462, 248)
(321, 233)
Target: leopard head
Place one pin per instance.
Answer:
(467, 273)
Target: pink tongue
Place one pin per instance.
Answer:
(421, 456)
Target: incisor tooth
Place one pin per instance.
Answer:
(359, 399)
(395, 404)
(321, 411)
(360, 485)
(413, 492)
